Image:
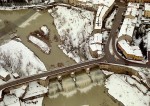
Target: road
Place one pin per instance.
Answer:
(51, 74)
(110, 58)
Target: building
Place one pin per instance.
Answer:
(34, 90)
(147, 10)
(5, 76)
(127, 29)
(95, 45)
(126, 33)
(131, 12)
(129, 22)
(100, 15)
(16, 75)
(130, 52)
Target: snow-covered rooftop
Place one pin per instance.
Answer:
(3, 72)
(137, 51)
(128, 21)
(147, 7)
(126, 30)
(15, 75)
(45, 30)
(127, 48)
(96, 47)
(19, 91)
(98, 38)
(34, 90)
(133, 50)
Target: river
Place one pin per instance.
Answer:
(10, 22)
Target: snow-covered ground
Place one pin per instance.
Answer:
(19, 91)
(109, 21)
(127, 90)
(42, 45)
(35, 89)
(17, 58)
(74, 27)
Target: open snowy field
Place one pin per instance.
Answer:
(128, 90)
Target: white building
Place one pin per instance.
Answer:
(130, 52)
(95, 45)
(131, 12)
(147, 10)
(126, 32)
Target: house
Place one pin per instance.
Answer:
(45, 30)
(35, 90)
(126, 32)
(4, 75)
(129, 22)
(16, 75)
(147, 10)
(103, 10)
(95, 45)
(100, 15)
(130, 52)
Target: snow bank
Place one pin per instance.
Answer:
(17, 58)
(127, 93)
(42, 45)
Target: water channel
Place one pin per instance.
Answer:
(10, 21)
